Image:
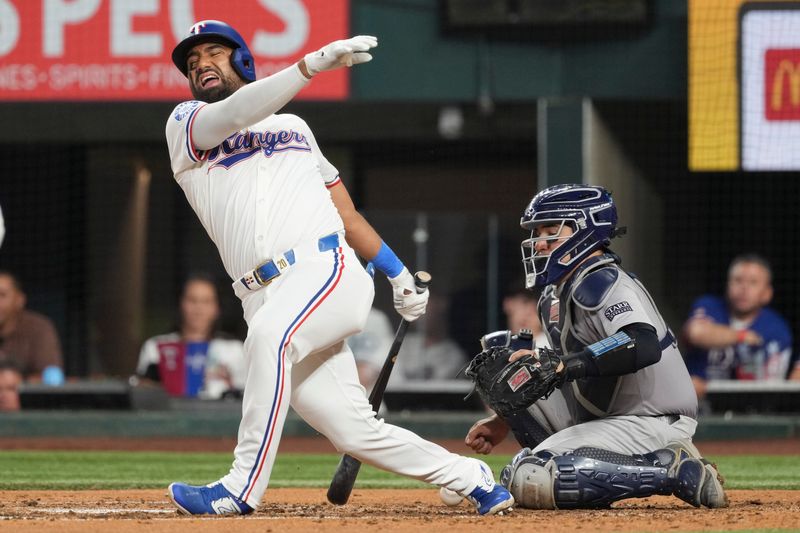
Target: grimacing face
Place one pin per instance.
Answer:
(211, 74)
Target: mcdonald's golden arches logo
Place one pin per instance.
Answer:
(782, 84)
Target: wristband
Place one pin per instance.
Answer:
(740, 336)
(387, 261)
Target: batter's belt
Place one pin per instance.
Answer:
(263, 274)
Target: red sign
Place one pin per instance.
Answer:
(782, 84)
(120, 49)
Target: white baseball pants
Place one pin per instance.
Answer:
(296, 355)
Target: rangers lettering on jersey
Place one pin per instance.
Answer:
(241, 146)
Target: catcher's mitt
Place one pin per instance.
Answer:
(509, 387)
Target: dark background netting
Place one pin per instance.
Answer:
(102, 237)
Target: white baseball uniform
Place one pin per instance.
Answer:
(261, 194)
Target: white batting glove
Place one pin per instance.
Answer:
(410, 304)
(337, 54)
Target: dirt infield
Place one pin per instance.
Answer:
(288, 510)
(387, 510)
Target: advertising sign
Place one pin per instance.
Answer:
(120, 49)
(770, 87)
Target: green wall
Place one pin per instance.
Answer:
(415, 61)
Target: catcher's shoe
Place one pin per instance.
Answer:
(211, 499)
(683, 449)
(699, 483)
(489, 497)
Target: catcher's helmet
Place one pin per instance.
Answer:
(216, 31)
(587, 209)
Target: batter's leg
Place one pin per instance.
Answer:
(328, 396)
(318, 302)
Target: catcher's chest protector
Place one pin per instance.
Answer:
(555, 306)
(588, 398)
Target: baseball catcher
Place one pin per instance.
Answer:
(610, 411)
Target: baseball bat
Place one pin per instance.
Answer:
(345, 476)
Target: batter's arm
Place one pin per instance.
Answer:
(363, 238)
(251, 103)
(359, 233)
(256, 101)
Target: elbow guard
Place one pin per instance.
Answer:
(632, 348)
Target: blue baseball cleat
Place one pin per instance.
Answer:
(211, 499)
(489, 497)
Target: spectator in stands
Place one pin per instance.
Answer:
(428, 353)
(196, 360)
(10, 380)
(738, 337)
(371, 346)
(521, 310)
(27, 338)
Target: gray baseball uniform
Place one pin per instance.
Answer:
(632, 413)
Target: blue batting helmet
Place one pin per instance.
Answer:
(588, 210)
(215, 31)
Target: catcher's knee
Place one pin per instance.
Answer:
(530, 479)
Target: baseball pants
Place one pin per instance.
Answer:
(296, 354)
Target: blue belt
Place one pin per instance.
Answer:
(262, 275)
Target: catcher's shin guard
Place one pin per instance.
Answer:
(584, 483)
(594, 479)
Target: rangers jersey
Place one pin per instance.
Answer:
(258, 193)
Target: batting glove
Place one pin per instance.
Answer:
(348, 52)
(407, 301)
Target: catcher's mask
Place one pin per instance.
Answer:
(591, 214)
(215, 31)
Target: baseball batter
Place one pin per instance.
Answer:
(625, 412)
(288, 234)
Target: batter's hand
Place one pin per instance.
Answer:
(408, 302)
(486, 433)
(337, 54)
